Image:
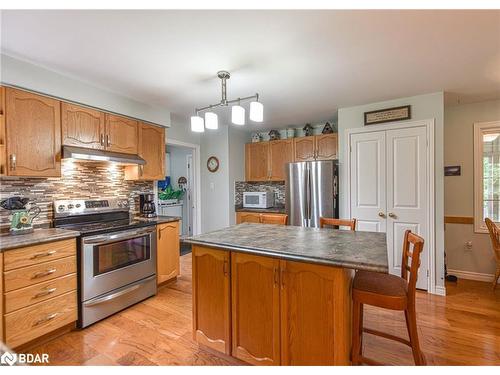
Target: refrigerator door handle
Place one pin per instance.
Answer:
(308, 197)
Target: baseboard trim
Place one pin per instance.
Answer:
(487, 277)
(440, 290)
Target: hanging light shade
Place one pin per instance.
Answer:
(256, 111)
(211, 121)
(238, 115)
(197, 124)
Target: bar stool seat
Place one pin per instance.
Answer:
(381, 290)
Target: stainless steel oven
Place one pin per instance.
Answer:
(117, 270)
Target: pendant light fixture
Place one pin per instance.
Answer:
(237, 111)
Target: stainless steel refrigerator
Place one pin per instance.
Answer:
(311, 192)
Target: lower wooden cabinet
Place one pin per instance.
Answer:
(38, 291)
(211, 299)
(168, 251)
(254, 217)
(255, 309)
(282, 312)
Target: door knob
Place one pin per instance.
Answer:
(381, 214)
(392, 215)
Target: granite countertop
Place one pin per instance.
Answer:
(342, 248)
(158, 219)
(9, 241)
(274, 210)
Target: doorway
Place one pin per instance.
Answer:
(391, 188)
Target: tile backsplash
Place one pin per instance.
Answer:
(78, 180)
(278, 187)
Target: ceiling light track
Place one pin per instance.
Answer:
(198, 124)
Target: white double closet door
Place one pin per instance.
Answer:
(389, 188)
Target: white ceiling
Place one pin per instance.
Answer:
(304, 64)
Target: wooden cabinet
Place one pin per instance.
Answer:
(211, 298)
(168, 251)
(37, 291)
(255, 309)
(33, 125)
(280, 153)
(304, 148)
(255, 217)
(121, 134)
(3, 141)
(82, 127)
(318, 147)
(315, 314)
(326, 146)
(152, 149)
(257, 161)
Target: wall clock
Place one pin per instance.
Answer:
(212, 164)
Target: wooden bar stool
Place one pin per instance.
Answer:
(388, 292)
(495, 242)
(273, 219)
(337, 222)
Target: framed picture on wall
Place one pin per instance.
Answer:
(388, 115)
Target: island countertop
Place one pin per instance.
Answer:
(342, 248)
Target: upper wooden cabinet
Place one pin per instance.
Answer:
(3, 146)
(33, 127)
(255, 309)
(152, 149)
(82, 127)
(265, 161)
(318, 147)
(121, 134)
(168, 251)
(280, 153)
(211, 298)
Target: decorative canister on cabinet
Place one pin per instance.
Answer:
(290, 133)
(256, 137)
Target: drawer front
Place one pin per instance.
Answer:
(27, 276)
(40, 292)
(37, 320)
(29, 256)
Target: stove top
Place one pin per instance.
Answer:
(96, 216)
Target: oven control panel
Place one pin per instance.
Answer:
(88, 206)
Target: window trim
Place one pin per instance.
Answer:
(479, 129)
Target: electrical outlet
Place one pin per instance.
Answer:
(468, 245)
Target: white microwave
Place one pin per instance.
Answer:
(258, 199)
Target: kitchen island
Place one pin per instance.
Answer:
(280, 295)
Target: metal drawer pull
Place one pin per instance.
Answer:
(41, 255)
(44, 273)
(45, 293)
(46, 319)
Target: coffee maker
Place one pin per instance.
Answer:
(147, 205)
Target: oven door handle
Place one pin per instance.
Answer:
(120, 293)
(102, 240)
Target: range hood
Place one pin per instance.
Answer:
(88, 154)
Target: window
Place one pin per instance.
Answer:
(486, 173)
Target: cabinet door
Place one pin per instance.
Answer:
(121, 134)
(247, 217)
(280, 153)
(211, 306)
(33, 125)
(3, 155)
(257, 161)
(82, 127)
(152, 149)
(315, 314)
(326, 147)
(255, 309)
(168, 251)
(303, 148)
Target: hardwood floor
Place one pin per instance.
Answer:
(462, 328)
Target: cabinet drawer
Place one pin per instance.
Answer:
(40, 292)
(29, 256)
(27, 276)
(37, 320)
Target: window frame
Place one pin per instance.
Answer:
(480, 128)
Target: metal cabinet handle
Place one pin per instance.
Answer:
(393, 215)
(141, 170)
(46, 319)
(44, 273)
(108, 140)
(42, 255)
(225, 268)
(381, 214)
(282, 278)
(276, 277)
(102, 139)
(13, 162)
(45, 293)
